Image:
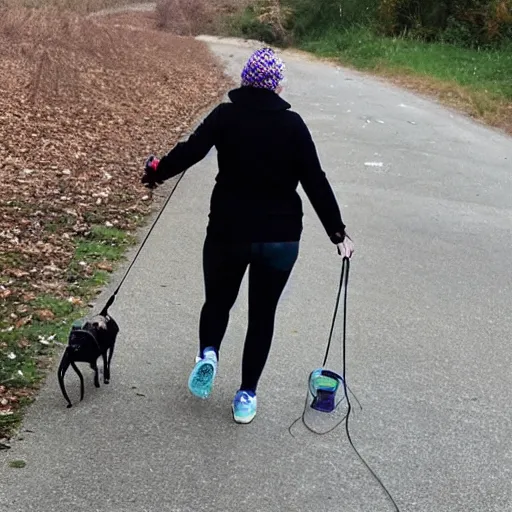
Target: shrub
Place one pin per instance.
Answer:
(184, 17)
(264, 20)
(471, 23)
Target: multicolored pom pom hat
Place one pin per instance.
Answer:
(263, 70)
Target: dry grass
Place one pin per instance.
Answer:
(194, 17)
(184, 17)
(79, 6)
(479, 105)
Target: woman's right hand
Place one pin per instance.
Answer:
(346, 248)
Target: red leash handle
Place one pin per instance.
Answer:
(152, 163)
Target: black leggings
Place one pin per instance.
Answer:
(225, 264)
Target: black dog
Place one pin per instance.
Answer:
(86, 343)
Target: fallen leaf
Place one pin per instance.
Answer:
(44, 315)
(17, 464)
(19, 273)
(23, 321)
(5, 293)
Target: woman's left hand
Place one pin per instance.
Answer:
(346, 248)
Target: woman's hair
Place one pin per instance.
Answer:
(263, 70)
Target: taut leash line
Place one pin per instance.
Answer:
(113, 296)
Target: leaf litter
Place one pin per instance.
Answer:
(83, 102)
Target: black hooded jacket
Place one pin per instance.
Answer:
(264, 151)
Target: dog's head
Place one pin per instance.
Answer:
(83, 345)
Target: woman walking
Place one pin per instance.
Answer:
(264, 151)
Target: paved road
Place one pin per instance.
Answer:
(429, 336)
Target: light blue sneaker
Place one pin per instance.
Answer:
(200, 382)
(244, 406)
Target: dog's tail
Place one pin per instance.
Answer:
(65, 362)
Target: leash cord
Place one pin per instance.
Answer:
(344, 284)
(113, 296)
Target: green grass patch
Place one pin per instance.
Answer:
(488, 71)
(102, 244)
(27, 349)
(90, 250)
(58, 307)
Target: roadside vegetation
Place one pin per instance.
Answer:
(457, 50)
(82, 103)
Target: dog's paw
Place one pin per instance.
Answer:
(68, 406)
(107, 381)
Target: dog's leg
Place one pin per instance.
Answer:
(107, 371)
(94, 366)
(63, 367)
(81, 377)
(106, 376)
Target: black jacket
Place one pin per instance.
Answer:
(264, 151)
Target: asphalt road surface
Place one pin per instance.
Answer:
(426, 195)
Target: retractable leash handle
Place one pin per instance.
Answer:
(152, 163)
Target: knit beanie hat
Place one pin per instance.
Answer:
(263, 70)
